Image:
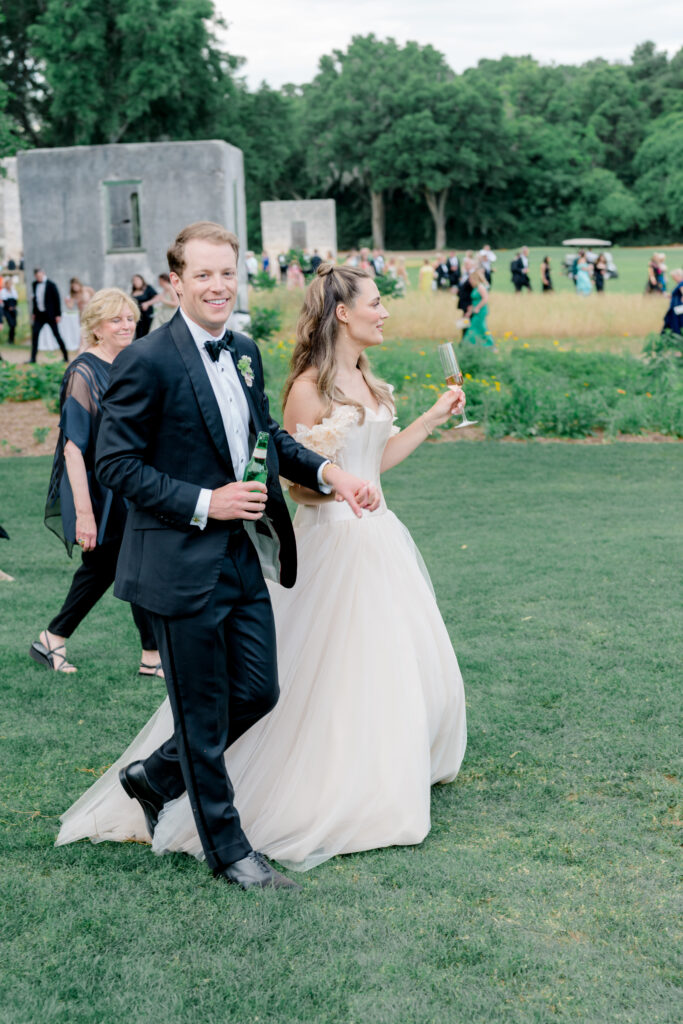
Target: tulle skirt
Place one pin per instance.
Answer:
(371, 711)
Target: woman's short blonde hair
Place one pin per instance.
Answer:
(105, 304)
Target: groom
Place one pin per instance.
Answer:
(179, 423)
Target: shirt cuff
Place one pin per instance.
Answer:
(201, 512)
(324, 488)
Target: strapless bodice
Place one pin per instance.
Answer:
(355, 447)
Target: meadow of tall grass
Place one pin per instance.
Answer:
(610, 322)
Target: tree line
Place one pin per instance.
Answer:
(414, 155)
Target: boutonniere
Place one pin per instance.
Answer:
(245, 368)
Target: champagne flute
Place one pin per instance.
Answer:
(453, 375)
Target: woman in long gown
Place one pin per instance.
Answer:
(372, 708)
(477, 332)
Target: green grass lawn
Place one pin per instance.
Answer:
(545, 891)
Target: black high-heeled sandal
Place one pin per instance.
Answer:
(47, 657)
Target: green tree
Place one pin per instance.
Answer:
(455, 135)
(659, 165)
(20, 69)
(267, 125)
(352, 103)
(137, 70)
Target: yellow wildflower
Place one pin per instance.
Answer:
(620, 391)
(556, 343)
(648, 394)
(525, 345)
(423, 353)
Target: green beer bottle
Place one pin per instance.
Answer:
(256, 468)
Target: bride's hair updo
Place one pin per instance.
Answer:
(316, 336)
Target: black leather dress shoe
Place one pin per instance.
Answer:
(254, 871)
(134, 780)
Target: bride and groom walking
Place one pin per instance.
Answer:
(371, 711)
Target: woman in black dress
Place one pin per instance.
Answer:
(546, 279)
(599, 273)
(78, 509)
(143, 293)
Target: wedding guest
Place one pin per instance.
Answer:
(546, 275)
(365, 263)
(165, 302)
(316, 260)
(9, 300)
(454, 271)
(442, 271)
(143, 293)
(519, 269)
(487, 258)
(283, 264)
(378, 261)
(661, 271)
(425, 277)
(47, 310)
(402, 273)
(295, 276)
(582, 279)
(371, 714)
(476, 332)
(251, 264)
(673, 320)
(653, 286)
(79, 510)
(467, 266)
(74, 304)
(599, 273)
(265, 262)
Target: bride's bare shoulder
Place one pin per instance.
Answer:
(304, 403)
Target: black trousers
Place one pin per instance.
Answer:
(91, 581)
(221, 674)
(11, 317)
(521, 281)
(39, 322)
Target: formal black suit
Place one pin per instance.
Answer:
(520, 274)
(161, 440)
(53, 309)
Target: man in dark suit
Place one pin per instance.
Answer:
(179, 421)
(519, 268)
(47, 309)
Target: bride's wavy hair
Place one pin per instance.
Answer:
(316, 335)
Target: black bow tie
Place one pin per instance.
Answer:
(214, 346)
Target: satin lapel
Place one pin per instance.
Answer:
(255, 417)
(206, 400)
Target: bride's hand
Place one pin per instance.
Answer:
(368, 497)
(451, 403)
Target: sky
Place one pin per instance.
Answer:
(282, 40)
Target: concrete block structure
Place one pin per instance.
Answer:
(11, 245)
(104, 213)
(298, 224)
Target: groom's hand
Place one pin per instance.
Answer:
(238, 501)
(358, 494)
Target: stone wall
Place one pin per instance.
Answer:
(11, 244)
(104, 213)
(298, 224)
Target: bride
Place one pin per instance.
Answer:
(372, 708)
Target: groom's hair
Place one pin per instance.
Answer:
(208, 231)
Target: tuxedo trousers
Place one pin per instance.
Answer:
(39, 321)
(221, 674)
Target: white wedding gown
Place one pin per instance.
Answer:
(372, 708)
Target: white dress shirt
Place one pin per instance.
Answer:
(40, 295)
(234, 410)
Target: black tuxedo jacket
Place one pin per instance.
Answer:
(160, 441)
(53, 306)
(517, 268)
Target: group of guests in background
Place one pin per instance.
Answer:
(54, 326)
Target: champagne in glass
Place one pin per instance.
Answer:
(453, 375)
